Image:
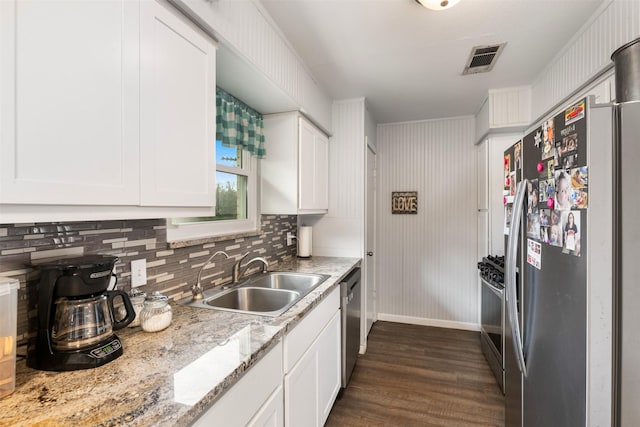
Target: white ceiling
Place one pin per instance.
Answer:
(408, 60)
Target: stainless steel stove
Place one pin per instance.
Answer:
(492, 325)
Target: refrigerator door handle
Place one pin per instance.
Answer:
(510, 273)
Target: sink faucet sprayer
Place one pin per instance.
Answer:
(196, 290)
(237, 273)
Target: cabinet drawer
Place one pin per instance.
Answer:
(238, 405)
(302, 336)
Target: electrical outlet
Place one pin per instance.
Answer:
(290, 237)
(138, 272)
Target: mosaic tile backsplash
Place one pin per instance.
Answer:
(172, 271)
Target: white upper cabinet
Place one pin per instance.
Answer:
(313, 169)
(69, 102)
(178, 108)
(107, 103)
(505, 110)
(295, 173)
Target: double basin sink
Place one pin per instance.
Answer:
(266, 294)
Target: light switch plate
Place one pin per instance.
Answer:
(290, 237)
(138, 272)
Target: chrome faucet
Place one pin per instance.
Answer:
(237, 267)
(196, 290)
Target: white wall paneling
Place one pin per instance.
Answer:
(246, 27)
(341, 231)
(427, 262)
(587, 55)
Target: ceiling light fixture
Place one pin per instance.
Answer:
(438, 4)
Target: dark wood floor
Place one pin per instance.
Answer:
(420, 376)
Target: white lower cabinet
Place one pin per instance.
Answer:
(255, 400)
(295, 384)
(300, 392)
(272, 412)
(329, 367)
(312, 379)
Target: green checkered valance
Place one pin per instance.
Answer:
(238, 125)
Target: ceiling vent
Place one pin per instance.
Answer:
(483, 58)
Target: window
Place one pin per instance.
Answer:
(231, 183)
(239, 144)
(236, 199)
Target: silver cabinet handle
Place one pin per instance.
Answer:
(510, 277)
(370, 253)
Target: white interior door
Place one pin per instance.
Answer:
(370, 244)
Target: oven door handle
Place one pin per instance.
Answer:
(510, 274)
(496, 290)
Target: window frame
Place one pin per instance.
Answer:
(213, 228)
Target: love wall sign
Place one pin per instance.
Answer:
(404, 202)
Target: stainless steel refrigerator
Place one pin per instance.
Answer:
(572, 192)
(558, 271)
(627, 236)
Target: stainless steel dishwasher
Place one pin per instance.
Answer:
(350, 311)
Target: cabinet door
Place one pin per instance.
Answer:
(306, 166)
(329, 367)
(69, 102)
(177, 116)
(321, 178)
(301, 388)
(279, 170)
(312, 385)
(272, 412)
(254, 400)
(313, 169)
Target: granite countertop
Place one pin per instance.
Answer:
(168, 377)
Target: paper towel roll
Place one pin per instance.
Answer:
(304, 241)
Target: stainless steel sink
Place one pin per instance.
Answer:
(300, 282)
(270, 302)
(266, 294)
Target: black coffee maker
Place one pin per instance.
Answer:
(76, 315)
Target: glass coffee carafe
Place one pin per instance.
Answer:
(82, 322)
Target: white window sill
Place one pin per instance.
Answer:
(183, 235)
(212, 239)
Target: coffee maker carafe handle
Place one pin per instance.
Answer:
(131, 313)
